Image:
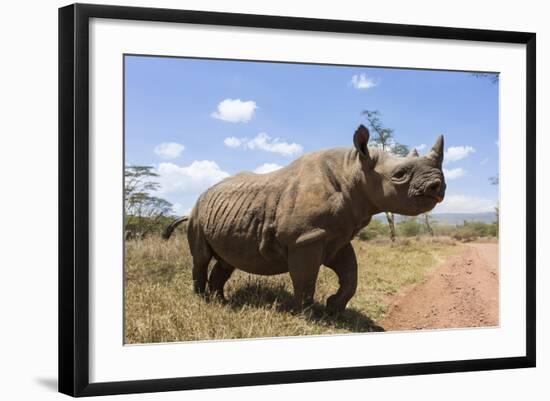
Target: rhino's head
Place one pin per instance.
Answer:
(405, 185)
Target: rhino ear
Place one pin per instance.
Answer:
(361, 141)
(413, 153)
(436, 152)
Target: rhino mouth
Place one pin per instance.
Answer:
(428, 200)
(438, 198)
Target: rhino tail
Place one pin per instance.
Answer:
(172, 226)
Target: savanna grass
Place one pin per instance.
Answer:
(160, 305)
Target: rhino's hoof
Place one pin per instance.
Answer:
(217, 297)
(222, 300)
(333, 306)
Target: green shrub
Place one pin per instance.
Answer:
(447, 230)
(474, 229)
(412, 226)
(409, 227)
(493, 229)
(375, 229)
(140, 227)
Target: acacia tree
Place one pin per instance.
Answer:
(495, 181)
(494, 78)
(142, 211)
(427, 223)
(384, 139)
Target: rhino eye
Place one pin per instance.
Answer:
(399, 174)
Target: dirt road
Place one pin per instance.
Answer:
(461, 292)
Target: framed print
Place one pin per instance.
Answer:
(252, 199)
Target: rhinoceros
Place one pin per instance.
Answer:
(306, 214)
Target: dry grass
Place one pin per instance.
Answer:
(161, 307)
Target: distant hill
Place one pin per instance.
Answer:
(459, 218)
(451, 218)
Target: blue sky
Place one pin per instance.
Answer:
(199, 121)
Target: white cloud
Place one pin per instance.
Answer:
(180, 210)
(267, 168)
(232, 142)
(455, 153)
(362, 81)
(235, 110)
(465, 204)
(195, 178)
(420, 147)
(264, 142)
(484, 161)
(182, 185)
(454, 173)
(169, 150)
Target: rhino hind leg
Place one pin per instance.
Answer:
(202, 254)
(304, 263)
(200, 272)
(344, 264)
(221, 272)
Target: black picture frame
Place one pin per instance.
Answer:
(74, 198)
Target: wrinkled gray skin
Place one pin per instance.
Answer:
(305, 215)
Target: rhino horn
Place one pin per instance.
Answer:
(361, 141)
(413, 153)
(436, 152)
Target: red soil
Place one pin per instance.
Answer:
(461, 292)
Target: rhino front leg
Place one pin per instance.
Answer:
(304, 263)
(344, 264)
